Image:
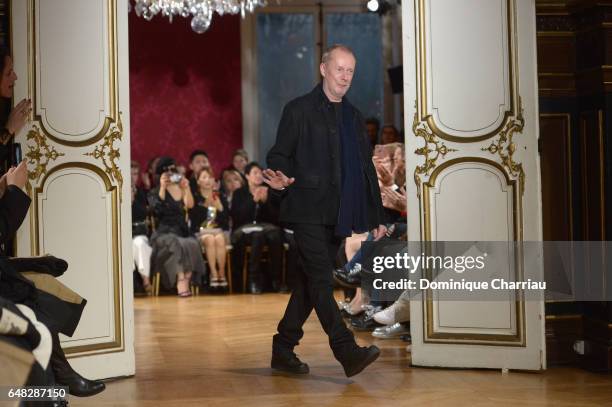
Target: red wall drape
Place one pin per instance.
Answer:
(185, 89)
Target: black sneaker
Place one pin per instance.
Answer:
(358, 359)
(289, 364)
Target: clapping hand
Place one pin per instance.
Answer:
(276, 179)
(384, 175)
(260, 194)
(393, 200)
(19, 116)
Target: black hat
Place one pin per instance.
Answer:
(163, 164)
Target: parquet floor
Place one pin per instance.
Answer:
(215, 350)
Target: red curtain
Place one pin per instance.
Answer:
(185, 89)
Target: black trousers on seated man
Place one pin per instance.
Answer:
(317, 247)
(272, 237)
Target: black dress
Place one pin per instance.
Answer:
(175, 250)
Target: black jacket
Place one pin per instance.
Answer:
(308, 148)
(245, 211)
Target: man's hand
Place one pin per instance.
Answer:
(276, 179)
(379, 232)
(18, 176)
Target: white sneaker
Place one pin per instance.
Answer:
(386, 316)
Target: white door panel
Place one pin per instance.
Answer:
(71, 57)
(471, 98)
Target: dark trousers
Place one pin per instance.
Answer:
(317, 247)
(271, 237)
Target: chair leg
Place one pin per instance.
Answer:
(228, 271)
(244, 270)
(156, 277)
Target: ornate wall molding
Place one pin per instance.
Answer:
(40, 154)
(433, 149)
(505, 148)
(108, 154)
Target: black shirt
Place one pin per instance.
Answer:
(170, 214)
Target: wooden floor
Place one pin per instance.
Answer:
(215, 351)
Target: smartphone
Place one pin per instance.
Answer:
(16, 155)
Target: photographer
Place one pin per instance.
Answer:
(176, 253)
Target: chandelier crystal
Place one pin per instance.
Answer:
(201, 10)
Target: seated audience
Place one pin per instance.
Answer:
(255, 218)
(141, 249)
(231, 181)
(149, 178)
(389, 134)
(372, 128)
(240, 159)
(176, 253)
(39, 306)
(209, 222)
(198, 160)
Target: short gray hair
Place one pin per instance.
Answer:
(332, 48)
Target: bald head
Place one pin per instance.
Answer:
(337, 68)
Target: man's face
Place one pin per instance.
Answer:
(198, 163)
(8, 78)
(337, 74)
(255, 177)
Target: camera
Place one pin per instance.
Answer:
(175, 177)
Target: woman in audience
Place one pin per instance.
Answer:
(231, 181)
(209, 221)
(177, 252)
(140, 241)
(240, 159)
(149, 178)
(11, 120)
(255, 219)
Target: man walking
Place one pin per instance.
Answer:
(321, 164)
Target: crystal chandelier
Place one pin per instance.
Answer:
(201, 10)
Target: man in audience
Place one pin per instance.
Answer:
(372, 128)
(198, 160)
(321, 162)
(255, 219)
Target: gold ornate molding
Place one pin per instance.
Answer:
(505, 147)
(425, 114)
(113, 67)
(432, 146)
(40, 154)
(108, 154)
